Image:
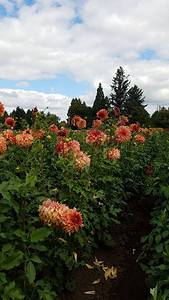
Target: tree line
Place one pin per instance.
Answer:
(129, 99)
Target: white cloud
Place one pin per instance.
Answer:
(44, 41)
(55, 103)
(22, 84)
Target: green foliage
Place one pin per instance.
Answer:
(160, 118)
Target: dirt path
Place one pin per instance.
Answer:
(130, 281)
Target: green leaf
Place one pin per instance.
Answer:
(13, 260)
(36, 259)
(159, 248)
(30, 272)
(3, 277)
(153, 292)
(165, 234)
(158, 239)
(3, 218)
(21, 234)
(39, 235)
(7, 247)
(38, 247)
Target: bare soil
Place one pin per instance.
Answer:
(130, 281)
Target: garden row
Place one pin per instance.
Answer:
(60, 193)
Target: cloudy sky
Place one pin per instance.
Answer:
(52, 51)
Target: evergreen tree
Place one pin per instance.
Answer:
(100, 102)
(119, 88)
(134, 102)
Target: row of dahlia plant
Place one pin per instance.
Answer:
(156, 244)
(60, 192)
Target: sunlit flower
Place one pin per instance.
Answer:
(123, 134)
(71, 221)
(53, 128)
(10, 122)
(96, 123)
(75, 119)
(82, 160)
(3, 146)
(116, 111)
(8, 134)
(96, 137)
(81, 123)
(24, 140)
(113, 154)
(102, 114)
(139, 138)
(1, 109)
(135, 127)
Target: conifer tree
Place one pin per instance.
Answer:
(119, 88)
(100, 102)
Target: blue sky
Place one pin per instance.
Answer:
(52, 51)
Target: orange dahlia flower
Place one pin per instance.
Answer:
(81, 123)
(8, 134)
(75, 119)
(116, 111)
(71, 221)
(1, 109)
(53, 128)
(139, 138)
(102, 114)
(135, 127)
(82, 160)
(96, 137)
(10, 122)
(123, 134)
(24, 140)
(3, 146)
(96, 123)
(113, 154)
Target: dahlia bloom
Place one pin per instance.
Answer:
(8, 134)
(24, 140)
(96, 137)
(75, 146)
(28, 131)
(149, 170)
(123, 134)
(39, 134)
(71, 221)
(139, 138)
(75, 119)
(113, 154)
(81, 123)
(123, 120)
(60, 215)
(135, 127)
(64, 148)
(53, 128)
(116, 111)
(3, 146)
(96, 123)
(82, 160)
(102, 114)
(1, 109)
(62, 133)
(10, 122)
